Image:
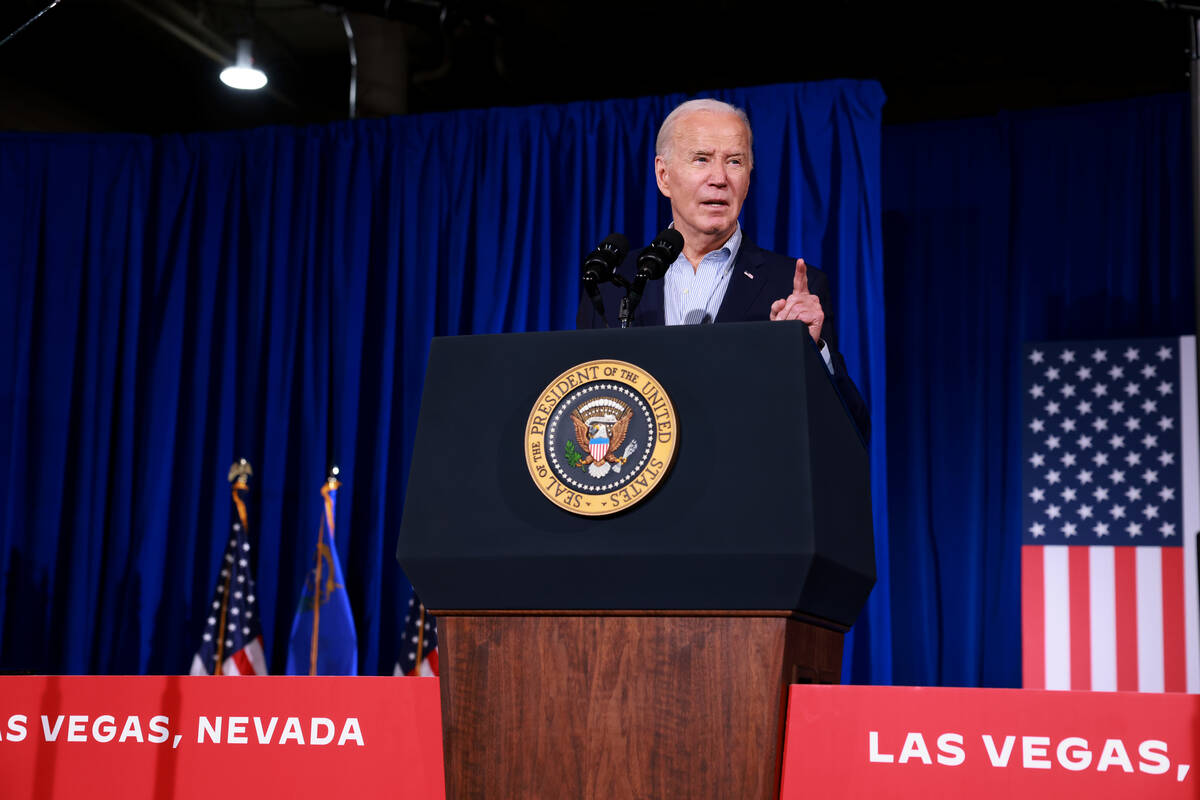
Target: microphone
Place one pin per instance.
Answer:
(603, 261)
(660, 254)
(652, 264)
(600, 266)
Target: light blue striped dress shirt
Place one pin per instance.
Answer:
(694, 296)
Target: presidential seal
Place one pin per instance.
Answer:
(600, 437)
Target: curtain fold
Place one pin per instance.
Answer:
(177, 302)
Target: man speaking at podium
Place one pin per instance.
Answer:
(702, 163)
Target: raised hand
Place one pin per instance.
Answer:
(800, 304)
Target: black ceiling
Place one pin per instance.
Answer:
(151, 65)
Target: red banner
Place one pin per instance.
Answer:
(183, 737)
(204, 737)
(878, 741)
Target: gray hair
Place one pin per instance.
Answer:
(666, 133)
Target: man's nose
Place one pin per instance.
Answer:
(717, 175)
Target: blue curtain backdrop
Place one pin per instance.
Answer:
(173, 303)
(1064, 224)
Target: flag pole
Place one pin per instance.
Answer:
(331, 483)
(239, 477)
(420, 638)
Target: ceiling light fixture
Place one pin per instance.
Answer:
(244, 75)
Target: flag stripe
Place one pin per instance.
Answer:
(1190, 431)
(1103, 615)
(1057, 583)
(244, 666)
(1149, 619)
(1174, 660)
(1080, 619)
(257, 656)
(243, 663)
(1033, 644)
(1125, 594)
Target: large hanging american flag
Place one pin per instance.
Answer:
(1109, 518)
(232, 643)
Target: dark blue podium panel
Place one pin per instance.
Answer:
(766, 507)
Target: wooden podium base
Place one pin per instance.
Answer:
(568, 707)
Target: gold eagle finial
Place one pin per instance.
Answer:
(241, 472)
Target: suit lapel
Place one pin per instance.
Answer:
(745, 284)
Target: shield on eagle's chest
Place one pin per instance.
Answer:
(598, 446)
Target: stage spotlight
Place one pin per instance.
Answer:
(244, 75)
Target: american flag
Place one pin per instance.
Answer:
(232, 628)
(1109, 517)
(418, 648)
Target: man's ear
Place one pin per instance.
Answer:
(660, 175)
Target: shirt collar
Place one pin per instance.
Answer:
(733, 244)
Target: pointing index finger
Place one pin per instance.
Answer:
(800, 280)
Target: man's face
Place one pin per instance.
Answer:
(706, 173)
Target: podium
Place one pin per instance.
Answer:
(643, 651)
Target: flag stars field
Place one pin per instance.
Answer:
(1115, 459)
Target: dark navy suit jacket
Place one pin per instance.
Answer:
(759, 278)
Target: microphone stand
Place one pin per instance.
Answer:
(629, 302)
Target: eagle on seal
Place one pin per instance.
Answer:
(599, 439)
